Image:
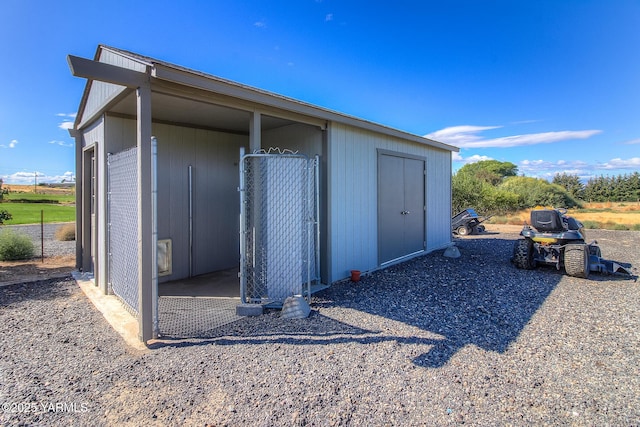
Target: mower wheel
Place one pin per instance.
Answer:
(576, 260)
(523, 254)
(463, 230)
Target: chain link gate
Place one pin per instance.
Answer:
(122, 218)
(279, 227)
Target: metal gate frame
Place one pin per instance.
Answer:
(270, 270)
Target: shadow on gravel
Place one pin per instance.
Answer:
(43, 290)
(316, 330)
(478, 299)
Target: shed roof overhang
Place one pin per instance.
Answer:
(182, 95)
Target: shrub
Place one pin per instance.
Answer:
(15, 246)
(468, 191)
(66, 232)
(636, 227)
(538, 192)
(4, 216)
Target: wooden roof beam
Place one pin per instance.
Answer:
(95, 70)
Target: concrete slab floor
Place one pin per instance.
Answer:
(224, 283)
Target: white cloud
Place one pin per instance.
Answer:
(66, 125)
(471, 159)
(12, 144)
(459, 135)
(544, 165)
(27, 178)
(61, 143)
(524, 122)
(260, 24)
(547, 169)
(617, 163)
(328, 17)
(466, 137)
(633, 141)
(69, 115)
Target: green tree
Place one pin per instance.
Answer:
(466, 192)
(469, 191)
(539, 192)
(571, 183)
(490, 171)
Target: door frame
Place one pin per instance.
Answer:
(89, 209)
(383, 152)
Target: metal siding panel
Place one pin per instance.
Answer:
(101, 92)
(214, 157)
(203, 215)
(439, 200)
(353, 189)
(302, 138)
(182, 155)
(113, 58)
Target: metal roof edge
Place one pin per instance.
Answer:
(160, 70)
(262, 96)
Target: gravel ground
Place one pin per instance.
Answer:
(433, 341)
(52, 246)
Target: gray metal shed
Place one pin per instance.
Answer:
(158, 160)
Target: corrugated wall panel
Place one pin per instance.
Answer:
(305, 139)
(102, 92)
(353, 196)
(438, 199)
(109, 57)
(120, 134)
(214, 158)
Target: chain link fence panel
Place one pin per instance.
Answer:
(122, 214)
(278, 227)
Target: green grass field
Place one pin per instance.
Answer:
(29, 213)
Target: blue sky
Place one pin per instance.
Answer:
(552, 86)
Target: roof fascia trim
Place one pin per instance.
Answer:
(232, 89)
(95, 70)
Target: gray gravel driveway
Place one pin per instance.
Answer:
(433, 341)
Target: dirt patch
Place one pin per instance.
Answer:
(42, 189)
(503, 228)
(35, 269)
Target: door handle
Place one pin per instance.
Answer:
(405, 213)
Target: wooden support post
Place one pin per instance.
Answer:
(145, 214)
(255, 132)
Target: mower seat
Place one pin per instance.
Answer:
(547, 221)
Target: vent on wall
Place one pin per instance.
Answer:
(164, 257)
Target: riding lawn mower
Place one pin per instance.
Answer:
(553, 238)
